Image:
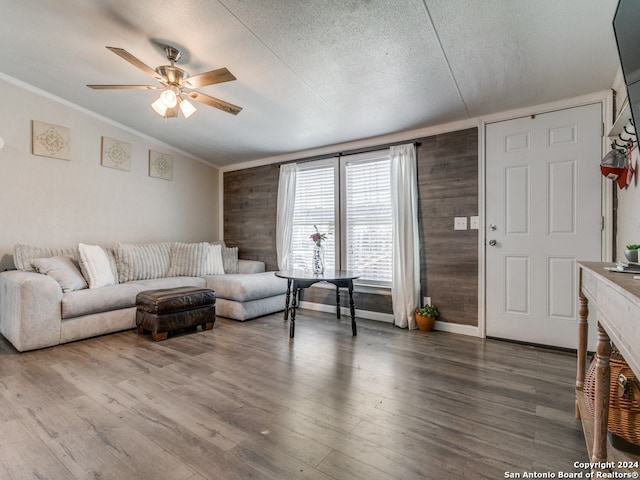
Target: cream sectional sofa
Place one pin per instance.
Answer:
(48, 300)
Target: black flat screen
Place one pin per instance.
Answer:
(626, 26)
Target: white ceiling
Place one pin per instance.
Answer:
(312, 73)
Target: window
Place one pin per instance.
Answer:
(367, 218)
(349, 199)
(315, 205)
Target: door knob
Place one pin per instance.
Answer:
(492, 242)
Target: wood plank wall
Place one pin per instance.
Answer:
(447, 187)
(250, 209)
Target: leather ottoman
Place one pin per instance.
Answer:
(169, 309)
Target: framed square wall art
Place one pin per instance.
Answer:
(116, 154)
(160, 165)
(49, 140)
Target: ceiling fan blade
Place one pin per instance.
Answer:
(214, 102)
(123, 87)
(210, 78)
(136, 63)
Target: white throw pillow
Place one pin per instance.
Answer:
(214, 260)
(95, 266)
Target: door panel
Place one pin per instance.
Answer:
(543, 211)
(562, 193)
(561, 276)
(517, 197)
(517, 285)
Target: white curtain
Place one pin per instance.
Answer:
(405, 288)
(284, 220)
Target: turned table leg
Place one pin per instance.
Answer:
(286, 301)
(352, 308)
(292, 323)
(601, 401)
(583, 325)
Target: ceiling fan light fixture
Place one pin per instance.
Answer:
(159, 107)
(174, 80)
(186, 107)
(169, 97)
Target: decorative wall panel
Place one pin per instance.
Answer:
(447, 187)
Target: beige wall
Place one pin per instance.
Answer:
(628, 218)
(628, 211)
(51, 202)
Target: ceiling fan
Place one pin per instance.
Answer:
(176, 85)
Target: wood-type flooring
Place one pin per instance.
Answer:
(243, 402)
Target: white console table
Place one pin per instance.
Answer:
(614, 301)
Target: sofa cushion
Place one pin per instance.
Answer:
(96, 266)
(251, 266)
(63, 270)
(170, 282)
(188, 259)
(23, 255)
(98, 300)
(243, 287)
(115, 297)
(247, 310)
(142, 261)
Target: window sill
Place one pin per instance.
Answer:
(359, 288)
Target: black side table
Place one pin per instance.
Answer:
(297, 279)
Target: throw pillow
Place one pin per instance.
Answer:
(63, 270)
(188, 259)
(230, 259)
(95, 266)
(112, 262)
(214, 260)
(24, 255)
(142, 261)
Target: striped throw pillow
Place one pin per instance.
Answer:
(142, 261)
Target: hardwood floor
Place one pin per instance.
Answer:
(242, 402)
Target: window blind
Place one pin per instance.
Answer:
(368, 220)
(314, 205)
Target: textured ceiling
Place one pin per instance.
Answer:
(312, 73)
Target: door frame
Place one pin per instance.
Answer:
(605, 99)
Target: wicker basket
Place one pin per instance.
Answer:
(624, 402)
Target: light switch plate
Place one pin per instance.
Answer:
(460, 223)
(474, 222)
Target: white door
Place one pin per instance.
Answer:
(542, 214)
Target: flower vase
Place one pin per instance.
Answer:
(318, 259)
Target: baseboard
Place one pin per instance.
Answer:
(469, 330)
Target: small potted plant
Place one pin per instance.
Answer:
(426, 317)
(632, 253)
